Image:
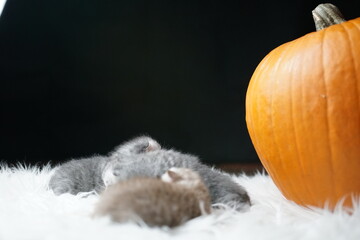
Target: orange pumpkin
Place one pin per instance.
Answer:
(303, 112)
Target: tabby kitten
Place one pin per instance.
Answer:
(177, 197)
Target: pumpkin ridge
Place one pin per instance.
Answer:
(294, 131)
(272, 125)
(267, 166)
(324, 77)
(289, 191)
(353, 61)
(250, 118)
(249, 115)
(351, 45)
(299, 157)
(303, 104)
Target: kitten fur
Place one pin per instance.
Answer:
(179, 196)
(85, 175)
(142, 157)
(152, 164)
(82, 175)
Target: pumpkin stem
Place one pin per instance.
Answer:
(326, 15)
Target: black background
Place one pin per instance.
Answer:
(79, 77)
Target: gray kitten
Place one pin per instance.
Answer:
(179, 196)
(154, 163)
(85, 175)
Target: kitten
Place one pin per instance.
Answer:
(152, 164)
(179, 196)
(85, 175)
(82, 175)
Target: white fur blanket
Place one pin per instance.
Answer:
(29, 211)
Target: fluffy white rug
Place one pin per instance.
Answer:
(29, 211)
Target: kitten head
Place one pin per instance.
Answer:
(182, 176)
(114, 172)
(138, 145)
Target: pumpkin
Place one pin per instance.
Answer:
(303, 112)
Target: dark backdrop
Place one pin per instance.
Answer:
(79, 77)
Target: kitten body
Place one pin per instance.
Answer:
(180, 196)
(81, 175)
(153, 164)
(85, 175)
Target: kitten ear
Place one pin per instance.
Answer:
(152, 146)
(174, 176)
